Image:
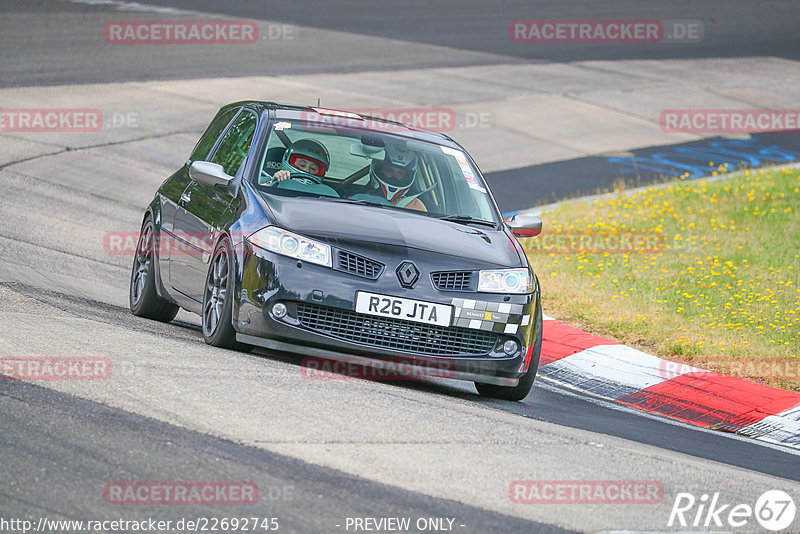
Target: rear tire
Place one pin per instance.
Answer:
(217, 308)
(521, 390)
(143, 298)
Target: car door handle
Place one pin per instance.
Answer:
(186, 197)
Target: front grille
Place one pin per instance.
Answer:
(394, 333)
(358, 265)
(452, 280)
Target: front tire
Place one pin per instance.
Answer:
(217, 308)
(143, 298)
(521, 390)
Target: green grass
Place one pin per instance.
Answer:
(720, 289)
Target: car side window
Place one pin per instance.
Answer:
(212, 133)
(234, 146)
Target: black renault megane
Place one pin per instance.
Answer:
(341, 236)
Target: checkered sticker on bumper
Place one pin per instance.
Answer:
(501, 318)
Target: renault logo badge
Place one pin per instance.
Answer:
(408, 274)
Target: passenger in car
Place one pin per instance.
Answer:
(392, 177)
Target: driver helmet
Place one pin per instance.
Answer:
(395, 172)
(306, 157)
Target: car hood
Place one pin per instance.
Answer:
(342, 224)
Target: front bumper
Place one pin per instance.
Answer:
(470, 349)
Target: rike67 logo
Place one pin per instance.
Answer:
(774, 510)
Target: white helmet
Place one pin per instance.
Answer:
(395, 172)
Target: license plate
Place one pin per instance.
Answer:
(407, 309)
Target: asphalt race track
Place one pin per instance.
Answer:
(476, 32)
(322, 451)
(518, 189)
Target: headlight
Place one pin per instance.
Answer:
(506, 281)
(289, 244)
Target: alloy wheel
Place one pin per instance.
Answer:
(216, 290)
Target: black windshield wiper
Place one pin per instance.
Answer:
(360, 202)
(467, 219)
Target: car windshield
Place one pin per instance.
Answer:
(373, 166)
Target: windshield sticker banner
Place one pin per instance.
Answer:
(466, 168)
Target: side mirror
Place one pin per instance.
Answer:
(208, 173)
(525, 225)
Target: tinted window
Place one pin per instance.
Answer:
(213, 132)
(236, 144)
